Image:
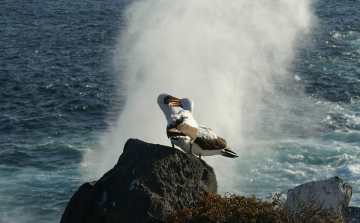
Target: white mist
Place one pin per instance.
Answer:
(225, 55)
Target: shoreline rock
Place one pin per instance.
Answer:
(147, 182)
(331, 196)
(150, 180)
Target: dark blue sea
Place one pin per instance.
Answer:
(280, 82)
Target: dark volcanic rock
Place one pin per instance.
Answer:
(147, 182)
(352, 215)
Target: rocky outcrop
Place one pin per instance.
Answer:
(331, 195)
(147, 182)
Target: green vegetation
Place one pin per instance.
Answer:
(215, 208)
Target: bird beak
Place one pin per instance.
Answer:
(175, 104)
(172, 101)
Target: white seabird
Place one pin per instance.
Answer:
(206, 143)
(186, 128)
(167, 104)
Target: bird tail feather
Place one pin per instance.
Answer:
(228, 153)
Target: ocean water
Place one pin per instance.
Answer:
(280, 82)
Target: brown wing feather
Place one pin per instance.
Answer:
(188, 130)
(211, 144)
(172, 131)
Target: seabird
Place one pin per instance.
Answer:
(164, 101)
(206, 143)
(187, 128)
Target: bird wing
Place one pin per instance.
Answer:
(188, 130)
(171, 130)
(205, 132)
(208, 140)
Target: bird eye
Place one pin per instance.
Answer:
(166, 100)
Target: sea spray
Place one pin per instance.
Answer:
(227, 56)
